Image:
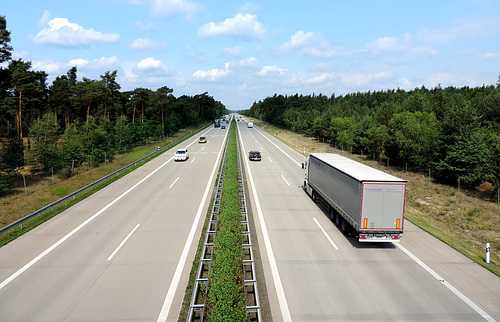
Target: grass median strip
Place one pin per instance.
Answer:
(226, 297)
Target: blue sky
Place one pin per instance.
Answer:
(241, 52)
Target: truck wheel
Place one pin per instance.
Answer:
(343, 226)
(338, 219)
(313, 196)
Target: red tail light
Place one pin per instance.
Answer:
(363, 237)
(395, 237)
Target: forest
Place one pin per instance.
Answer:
(455, 132)
(53, 126)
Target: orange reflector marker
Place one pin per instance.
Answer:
(397, 223)
(365, 223)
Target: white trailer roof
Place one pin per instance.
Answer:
(355, 169)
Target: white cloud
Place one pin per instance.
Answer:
(242, 26)
(147, 44)
(405, 84)
(145, 26)
(78, 62)
(389, 43)
(423, 51)
(461, 30)
(300, 40)
(61, 32)
(446, 79)
(151, 66)
(233, 52)
(312, 44)
(320, 79)
(48, 66)
(104, 62)
(96, 64)
(249, 7)
(491, 56)
(170, 7)
(359, 80)
(271, 70)
(45, 19)
(213, 75)
(249, 62)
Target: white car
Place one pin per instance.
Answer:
(181, 155)
(250, 124)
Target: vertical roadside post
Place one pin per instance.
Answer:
(25, 189)
(488, 261)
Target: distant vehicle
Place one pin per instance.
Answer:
(181, 155)
(254, 156)
(227, 121)
(357, 196)
(217, 123)
(223, 127)
(250, 124)
(202, 139)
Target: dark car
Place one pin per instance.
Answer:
(223, 127)
(254, 156)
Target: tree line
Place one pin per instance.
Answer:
(53, 125)
(454, 131)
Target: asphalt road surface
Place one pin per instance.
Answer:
(125, 252)
(122, 254)
(313, 272)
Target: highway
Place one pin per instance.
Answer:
(125, 252)
(316, 273)
(122, 254)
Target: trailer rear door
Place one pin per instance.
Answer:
(382, 206)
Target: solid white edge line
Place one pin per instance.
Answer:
(74, 231)
(279, 148)
(167, 303)
(285, 179)
(285, 312)
(173, 183)
(473, 305)
(123, 243)
(326, 235)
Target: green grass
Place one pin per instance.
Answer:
(226, 297)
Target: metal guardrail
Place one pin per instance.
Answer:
(73, 195)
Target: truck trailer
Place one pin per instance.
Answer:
(357, 196)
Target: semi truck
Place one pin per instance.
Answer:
(357, 197)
